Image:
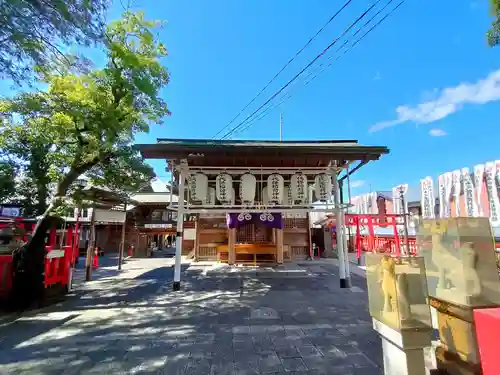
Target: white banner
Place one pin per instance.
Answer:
(396, 199)
(427, 198)
(469, 194)
(491, 188)
(478, 186)
(373, 202)
(448, 181)
(445, 185)
(441, 195)
(497, 175)
(456, 188)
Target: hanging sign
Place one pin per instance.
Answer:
(491, 188)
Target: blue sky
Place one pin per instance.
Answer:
(223, 52)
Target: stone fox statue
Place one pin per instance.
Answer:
(388, 281)
(394, 287)
(456, 272)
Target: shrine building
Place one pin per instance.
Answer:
(251, 199)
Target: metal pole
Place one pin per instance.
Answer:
(180, 230)
(122, 244)
(339, 224)
(405, 222)
(90, 248)
(344, 240)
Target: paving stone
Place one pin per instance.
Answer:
(309, 351)
(300, 326)
(293, 364)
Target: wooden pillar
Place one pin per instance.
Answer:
(279, 246)
(230, 245)
(91, 247)
(121, 250)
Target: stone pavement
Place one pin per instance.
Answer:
(133, 323)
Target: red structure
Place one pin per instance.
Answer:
(372, 242)
(487, 332)
(58, 259)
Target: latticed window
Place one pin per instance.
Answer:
(299, 223)
(212, 223)
(254, 233)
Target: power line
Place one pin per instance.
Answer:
(302, 71)
(285, 66)
(288, 95)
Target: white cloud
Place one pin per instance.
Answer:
(437, 132)
(377, 77)
(159, 186)
(447, 102)
(357, 183)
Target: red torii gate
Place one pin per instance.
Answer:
(370, 221)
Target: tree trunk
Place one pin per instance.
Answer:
(28, 261)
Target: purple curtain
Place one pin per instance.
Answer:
(270, 220)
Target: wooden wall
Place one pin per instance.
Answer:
(211, 232)
(296, 238)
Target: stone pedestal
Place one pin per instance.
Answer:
(458, 353)
(403, 350)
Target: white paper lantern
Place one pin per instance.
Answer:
(275, 187)
(298, 186)
(224, 188)
(198, 187)
(248, 184)
(323, 187)
(287, 194)
(265, 196)
(211, 196)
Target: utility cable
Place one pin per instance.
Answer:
(307, 81)
(286, 65)
(302, 71)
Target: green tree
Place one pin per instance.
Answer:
(89, 120)
(494, 32)
(34, 31)
(7, 182)
(28, 146)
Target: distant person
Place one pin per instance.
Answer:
(169, 240)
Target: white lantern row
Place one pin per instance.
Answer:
(275, 192)
(275, 187)
(298, 187)
(198, 187)
(224, 188)
(323, 187)
(248, 184)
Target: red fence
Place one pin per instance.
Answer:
(58, 262)
(57, 267)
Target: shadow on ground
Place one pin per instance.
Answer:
(237, 325)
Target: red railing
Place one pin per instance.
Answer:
(57, 268)
(58, 262)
